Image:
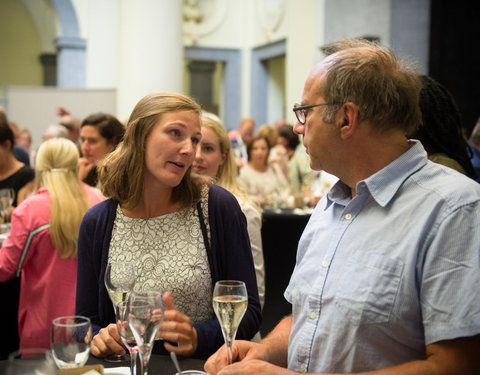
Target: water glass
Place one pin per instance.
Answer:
(31, 362)
(70, 339)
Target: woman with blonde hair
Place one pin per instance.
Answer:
(42, 245)
(181, 233)
(214, 158)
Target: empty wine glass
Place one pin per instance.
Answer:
(126, 335)
(145, 314)
(70, 338)
(31, 361)
(230, 302)
(119, 281)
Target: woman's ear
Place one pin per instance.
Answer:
(224, 157)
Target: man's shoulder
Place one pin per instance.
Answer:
(441, 182)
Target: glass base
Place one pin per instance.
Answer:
(117, 358)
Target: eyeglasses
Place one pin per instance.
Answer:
(301, 111)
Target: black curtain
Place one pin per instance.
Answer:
(455, 54)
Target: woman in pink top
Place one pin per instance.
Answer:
(42, 245)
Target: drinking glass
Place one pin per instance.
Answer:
(145, 314)
(126, 335)
(230, 302)
(119, 281)
(70, 338)
(31, 362)
(7, 196)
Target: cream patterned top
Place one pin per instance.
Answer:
(168, 253)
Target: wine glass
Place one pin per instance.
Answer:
(119, 281)
(126, 335)
(31, 361)
(145, 314)
(7, 196)
(230, 302)
(70, 338)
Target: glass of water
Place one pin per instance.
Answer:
(31, 362)
(70, 339)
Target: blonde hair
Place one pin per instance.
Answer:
(56, 170)
(227, 172)
(121, 172)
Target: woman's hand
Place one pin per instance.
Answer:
(84, 167)
(107, 342)
(177, 328)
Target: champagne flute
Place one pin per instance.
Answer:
(145, 314)
(70, 338)
(126, 335)
(119, 281)
(230, 302)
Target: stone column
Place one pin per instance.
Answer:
(150, 50)
(70, 62)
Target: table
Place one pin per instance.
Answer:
(159, 364)
(281, 230)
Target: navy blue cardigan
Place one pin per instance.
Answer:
(232, 260)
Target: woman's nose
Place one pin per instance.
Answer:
(188, 147)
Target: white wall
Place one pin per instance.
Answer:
(34, 108)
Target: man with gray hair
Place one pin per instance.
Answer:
(387, 277)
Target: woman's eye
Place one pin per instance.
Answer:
(175, 132)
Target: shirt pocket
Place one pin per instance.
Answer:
(368, 288)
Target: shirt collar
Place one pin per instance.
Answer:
(384, 184)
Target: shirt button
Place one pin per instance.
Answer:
(348, 216)
(325, 263)
(303, 367)
(313, 315)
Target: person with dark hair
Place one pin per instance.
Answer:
(387, 273)
(100, 133)
(180, 232)
(474, 146)
(13, 173)
(441, 132)
(298, 163)
(15, 177)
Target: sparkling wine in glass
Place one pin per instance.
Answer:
(70, 338)
(126, 335)
(119, 281)
(145, 314)
(230, 302)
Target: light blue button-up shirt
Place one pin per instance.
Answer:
(380, 276)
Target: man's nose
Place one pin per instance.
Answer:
(299, 128)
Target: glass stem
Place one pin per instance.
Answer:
(145, 353)
(229, 344)
(133, 360)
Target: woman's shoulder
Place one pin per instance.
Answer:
(218, 196)
(98, 211)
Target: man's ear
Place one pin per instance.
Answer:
(348, 119)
